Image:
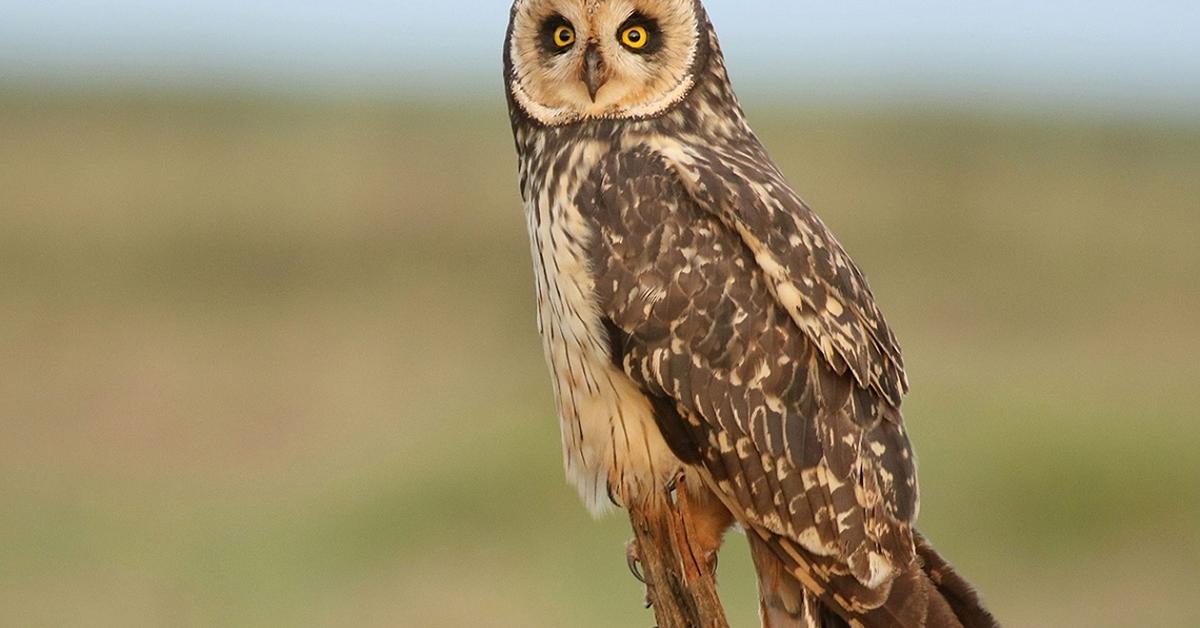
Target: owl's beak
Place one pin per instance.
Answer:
(595, 73)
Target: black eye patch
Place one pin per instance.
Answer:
(551, 38)
(654, 36)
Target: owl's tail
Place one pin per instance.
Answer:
(954, 590)
(932, 596)
(782, 601)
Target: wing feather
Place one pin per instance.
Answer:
(797, 443)
(810, 274)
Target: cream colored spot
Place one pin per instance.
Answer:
(881, 571)
(811, 540)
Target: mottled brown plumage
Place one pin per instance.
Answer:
(700, 319)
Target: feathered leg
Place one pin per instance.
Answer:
(705, 522)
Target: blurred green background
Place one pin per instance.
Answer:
(272, 362)
(269, 358)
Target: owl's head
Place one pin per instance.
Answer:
(573, 60)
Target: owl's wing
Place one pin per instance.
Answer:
(793, 443)
(808, 271)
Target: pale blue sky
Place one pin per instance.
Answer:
(1133, 52)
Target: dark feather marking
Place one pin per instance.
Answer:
(675, 431)
(617, 340)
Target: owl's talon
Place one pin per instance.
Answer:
(632, 559)
(612, 497)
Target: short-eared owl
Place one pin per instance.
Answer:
(700, 321)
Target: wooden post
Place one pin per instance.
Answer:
(679, 583)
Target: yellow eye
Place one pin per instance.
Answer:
(564, 36)
(635, 37)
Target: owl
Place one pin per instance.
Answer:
(703, 328)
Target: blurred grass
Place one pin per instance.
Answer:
(273, 362)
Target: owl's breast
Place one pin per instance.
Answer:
(611, 443)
